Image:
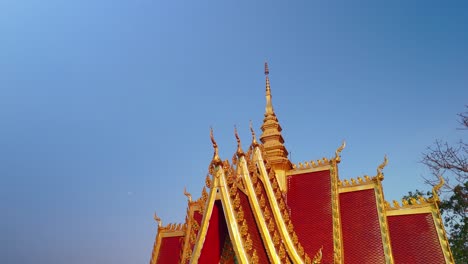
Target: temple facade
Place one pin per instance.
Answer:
(261, 208)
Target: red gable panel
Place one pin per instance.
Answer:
(215, 237)
(169, 251)
(362, 239)
(309, 198)
(253, 229)
(414, 239)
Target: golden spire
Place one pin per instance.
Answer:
(269, 106)
(216, 158)
(271, 137)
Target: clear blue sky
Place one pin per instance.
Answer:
(105, 106)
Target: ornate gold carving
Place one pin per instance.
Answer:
(157, 219)
(355, 182)
(216, 158)
(382, 217)
(412, 203)
(208, 182)
(189, 196)
(239, 151)
(254, 138)
(312, 164)
(254, 259)
(380, 175)
(338, 151)
(337, 237)
(436, 189)
(318, 257)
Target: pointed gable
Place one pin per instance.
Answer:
(215, 237)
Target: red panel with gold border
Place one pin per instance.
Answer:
(215, 237)
(170, 249)
(362, 239)
(257, 242)
(309, 199)
(414, 239)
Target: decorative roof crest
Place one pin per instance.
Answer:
(254, 138)
(380, 175)
(239, 151)
(311, 164)
(407, 203)
(355, 182)
(216, 158)
(437, 187)
(189, 196)
(338, 151)
(157, 219)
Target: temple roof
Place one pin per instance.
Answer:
(260, 208)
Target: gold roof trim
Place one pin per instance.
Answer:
(360, 183)
(170, 230)
(191, 226)
(312, 164)
(408, 203)
(235, 205)
(365, 180)
(279, 210)
(219, 189)
(336, 216)
(266, 225)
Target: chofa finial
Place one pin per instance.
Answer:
(381, 167)
(157, 219)
(189, 196)
(436, 188)
(254, 138)
(215, 146)
(338, 151)
(239, 147)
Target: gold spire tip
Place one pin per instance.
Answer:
(266, 69)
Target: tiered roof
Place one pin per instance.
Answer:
(260, 208)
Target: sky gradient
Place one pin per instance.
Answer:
(105, 106)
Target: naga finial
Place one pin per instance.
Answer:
(436, 188)
(254, 138)
(380, 175)
(157, 219)
(239, 147)
(338, 151)
(215, 146)
(189, 196)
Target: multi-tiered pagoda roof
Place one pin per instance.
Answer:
(261, 208)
